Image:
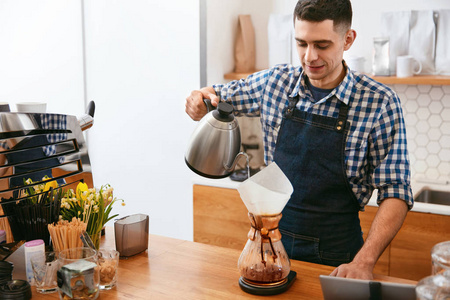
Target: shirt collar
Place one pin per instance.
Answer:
(342, 92)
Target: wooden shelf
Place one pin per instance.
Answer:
(422, 80)
(237, 76)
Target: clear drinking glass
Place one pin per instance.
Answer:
(44, 271)
(108, 261)
(79, 273)
(440, 257)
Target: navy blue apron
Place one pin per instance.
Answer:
(320, 222)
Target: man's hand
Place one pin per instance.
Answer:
(195, 107)
(386, 224)
(354, 270)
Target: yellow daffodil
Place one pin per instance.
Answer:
(81, 189)
(92, 206)
(51, 184)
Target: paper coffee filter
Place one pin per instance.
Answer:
(266, 192)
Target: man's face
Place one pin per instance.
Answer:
(321, 51)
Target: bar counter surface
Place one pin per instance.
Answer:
(178, 269)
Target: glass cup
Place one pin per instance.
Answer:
(440, 257)
(434, 287)
(108, 261)
(79, 274)
(44, 271)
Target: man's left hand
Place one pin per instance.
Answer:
(353, 270)
(387, 222)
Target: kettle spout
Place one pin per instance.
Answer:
(236, 160)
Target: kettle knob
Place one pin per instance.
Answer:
(224, 112)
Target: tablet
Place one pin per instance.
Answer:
(336, 288)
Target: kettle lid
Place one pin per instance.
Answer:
(224, 112)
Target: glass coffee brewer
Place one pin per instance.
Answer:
(264, 264)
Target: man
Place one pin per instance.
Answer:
(336, 134)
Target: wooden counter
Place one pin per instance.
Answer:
(177, 269)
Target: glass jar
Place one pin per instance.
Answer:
(78, 274)
(434, 287)
(440, 257)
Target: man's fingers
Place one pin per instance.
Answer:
(193, 111)
(195, 106)
(214, 99)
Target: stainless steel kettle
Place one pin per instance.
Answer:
(214, 147)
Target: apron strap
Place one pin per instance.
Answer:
(342, 119)
(289, 110)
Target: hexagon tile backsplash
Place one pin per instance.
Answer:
(427, 116)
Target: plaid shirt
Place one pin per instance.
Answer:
(49, 121)
(376, 155)
(54, 121)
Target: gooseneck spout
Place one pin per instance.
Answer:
(236, 160)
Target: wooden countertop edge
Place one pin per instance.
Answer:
(417, 80)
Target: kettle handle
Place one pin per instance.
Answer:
(208, 104)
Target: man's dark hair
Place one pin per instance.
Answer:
(339, 11)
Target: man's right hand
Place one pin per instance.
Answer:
(195, 107)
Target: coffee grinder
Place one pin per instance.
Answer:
(264, 264)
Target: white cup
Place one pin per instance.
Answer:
(408, 66)
(356, 63)
(31, 107)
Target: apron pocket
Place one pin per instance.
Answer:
(335, 259)
(301, 247)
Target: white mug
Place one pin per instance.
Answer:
(31, 107)
(356, 63)
(408, 66)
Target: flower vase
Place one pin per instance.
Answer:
(29, 221)
(95, 237)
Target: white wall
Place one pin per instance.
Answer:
(40, 54)
(142, 61)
